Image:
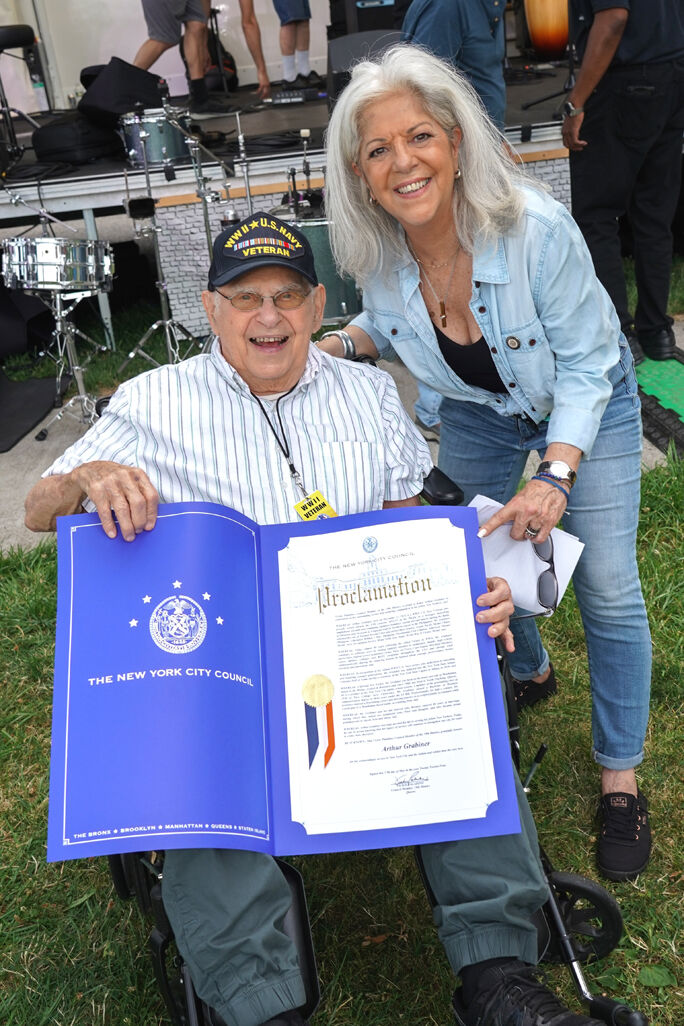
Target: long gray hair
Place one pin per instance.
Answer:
(487, 197)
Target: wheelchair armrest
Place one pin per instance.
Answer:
(440, 490)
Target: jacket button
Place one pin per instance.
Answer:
(511, 384)
(393, 331)
(512, 342)
(482, 309)
(493, 349)
(477, 284)
(533, 341)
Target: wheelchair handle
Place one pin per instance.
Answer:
(614, 1013)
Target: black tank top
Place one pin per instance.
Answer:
(473, 363)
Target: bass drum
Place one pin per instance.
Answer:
(547, 24)
(57, 265)
(343, 299)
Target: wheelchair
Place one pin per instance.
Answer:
(580, 922)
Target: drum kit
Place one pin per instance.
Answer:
(63, 271)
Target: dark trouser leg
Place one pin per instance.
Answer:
(625, 120)
(651, 212)
(227, 909)
(487, 891)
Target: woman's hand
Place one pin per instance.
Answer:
(499, 610)
(539, 507)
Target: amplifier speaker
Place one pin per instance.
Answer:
(346, 51)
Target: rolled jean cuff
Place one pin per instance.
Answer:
(492, 942)
(257, 1004)
(617, 764)
(527, 673)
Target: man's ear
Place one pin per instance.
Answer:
(319, 307)
(209, 304)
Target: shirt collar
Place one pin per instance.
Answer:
(229, 374)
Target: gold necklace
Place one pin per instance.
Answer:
(442, 302)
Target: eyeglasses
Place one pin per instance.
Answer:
(547, 582)
(286, 299)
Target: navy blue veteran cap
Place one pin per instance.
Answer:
(258, 241)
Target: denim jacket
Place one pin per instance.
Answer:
(551, 328)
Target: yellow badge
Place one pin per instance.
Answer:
(314, 506)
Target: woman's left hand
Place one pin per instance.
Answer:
(500, 609)
(539, 507)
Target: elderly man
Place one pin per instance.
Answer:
(255, 424)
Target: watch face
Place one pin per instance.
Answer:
(568, 108)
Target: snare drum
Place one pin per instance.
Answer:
(342, 299)
(57, 265)
(163, 141)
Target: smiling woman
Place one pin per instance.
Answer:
(482, 284)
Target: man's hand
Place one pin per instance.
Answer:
(124, 491)
(499, 610)
(263, 89)
(571, 131)
(538, 506)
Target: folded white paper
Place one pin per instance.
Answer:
(518, 562)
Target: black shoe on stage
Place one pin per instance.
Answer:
(624, 844)
(202, 110)
(511, 995)
(658, 345)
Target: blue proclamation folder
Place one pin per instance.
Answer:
(169, 717)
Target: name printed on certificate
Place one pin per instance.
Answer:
(386, 717)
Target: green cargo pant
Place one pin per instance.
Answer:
(227, 908)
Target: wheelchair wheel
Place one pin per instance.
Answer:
(591, 915)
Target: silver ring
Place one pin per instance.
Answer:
(532, 532)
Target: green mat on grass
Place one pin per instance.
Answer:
(664, 379)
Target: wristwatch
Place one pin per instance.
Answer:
(570, 110)
(558, 470)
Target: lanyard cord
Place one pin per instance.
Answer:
(283, 444)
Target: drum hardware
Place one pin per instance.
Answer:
(67, 360)
(13, 37)
(172, 328)
(569, 83)
(242, 150)
(205, 194)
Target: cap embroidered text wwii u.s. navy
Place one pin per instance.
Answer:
(257, 241)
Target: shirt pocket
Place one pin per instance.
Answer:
(350, 474)
(526, 351)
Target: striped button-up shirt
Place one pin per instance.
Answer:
(200, 435)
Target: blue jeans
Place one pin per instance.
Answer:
(486, 453)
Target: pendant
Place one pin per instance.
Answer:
(442, 313)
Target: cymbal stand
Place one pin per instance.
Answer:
(245, 166)
(173, 329)
(67, 360)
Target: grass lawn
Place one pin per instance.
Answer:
(72, 954)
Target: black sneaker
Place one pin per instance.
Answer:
(529, 692)
(511, 995)
(625, 842)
